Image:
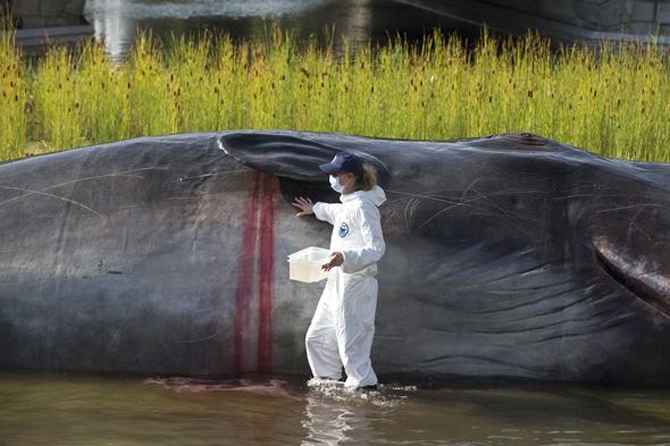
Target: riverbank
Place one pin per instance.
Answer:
(616, 104)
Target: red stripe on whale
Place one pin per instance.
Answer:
(245, 272)
(266, 276)
(260, 199)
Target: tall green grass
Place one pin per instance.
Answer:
(13, 116)
(614, 102)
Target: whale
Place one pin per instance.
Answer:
(508, 257)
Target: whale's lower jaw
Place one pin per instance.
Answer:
(638, 276)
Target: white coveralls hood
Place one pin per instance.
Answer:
(342, 328)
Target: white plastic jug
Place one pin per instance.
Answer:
(305, 265)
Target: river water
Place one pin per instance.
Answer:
(38, 409)
(116, 22)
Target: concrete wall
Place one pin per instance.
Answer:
(629, 16)
(46, 13)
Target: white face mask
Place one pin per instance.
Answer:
(335, 184)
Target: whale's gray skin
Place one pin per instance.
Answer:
(508, 256)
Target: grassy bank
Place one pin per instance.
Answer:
(616, 104)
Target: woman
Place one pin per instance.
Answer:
(342, 328)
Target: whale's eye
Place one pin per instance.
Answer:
(519, 142)
(517, 204)
(524, 139)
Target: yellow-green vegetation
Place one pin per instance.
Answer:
(614, 102)
(12, 99)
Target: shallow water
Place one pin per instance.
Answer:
(39, 409)
(117, 22)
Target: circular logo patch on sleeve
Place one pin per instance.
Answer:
(344, 229)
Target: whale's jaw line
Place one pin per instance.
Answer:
(637, 276)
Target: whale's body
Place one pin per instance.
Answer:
(510, 256)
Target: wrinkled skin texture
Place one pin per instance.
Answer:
(511, 256)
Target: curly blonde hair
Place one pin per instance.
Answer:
(368, 179)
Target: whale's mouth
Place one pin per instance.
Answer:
(640, 276)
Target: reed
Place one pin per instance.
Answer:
(614, 102)
(13, 120)
(154, 92)
(56, 88)
(104, 95)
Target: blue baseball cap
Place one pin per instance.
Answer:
(344, 162)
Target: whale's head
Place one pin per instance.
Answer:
(511, 255)
(541, 259)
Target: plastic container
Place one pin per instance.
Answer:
(305, 265)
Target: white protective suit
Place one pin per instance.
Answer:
(342, 328)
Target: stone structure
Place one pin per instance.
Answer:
(40, 23)
(47, 13)
(629, 16)
(565, 20)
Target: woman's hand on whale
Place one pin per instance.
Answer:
(305, 205)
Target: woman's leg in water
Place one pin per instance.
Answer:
(321, 340)
(355, 331)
